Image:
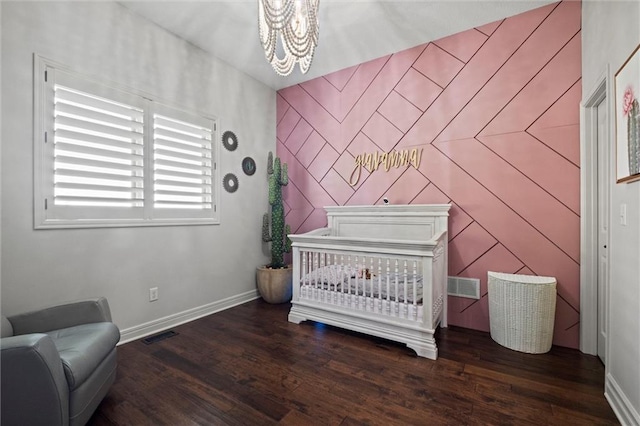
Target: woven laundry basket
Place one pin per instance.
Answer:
(522, 311)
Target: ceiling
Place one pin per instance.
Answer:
(351, 32)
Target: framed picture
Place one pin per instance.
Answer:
(627, 110)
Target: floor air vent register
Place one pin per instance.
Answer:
(160, 336)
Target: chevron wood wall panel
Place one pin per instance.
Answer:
(495, 111)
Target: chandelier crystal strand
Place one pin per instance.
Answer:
(294, 23)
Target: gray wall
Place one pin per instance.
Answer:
(610, 32)
(193, 266)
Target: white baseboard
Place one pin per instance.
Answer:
(626, 413)
(161, 324)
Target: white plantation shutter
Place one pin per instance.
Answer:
(105, 156)
(98, 151)
(182, 163)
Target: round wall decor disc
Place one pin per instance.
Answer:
(229, 140)
(230, 182)
(248, 166)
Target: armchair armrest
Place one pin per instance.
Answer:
(34, 389)
(62, 316)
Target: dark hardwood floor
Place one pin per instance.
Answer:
(249, 366)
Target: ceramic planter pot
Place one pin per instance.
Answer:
(274, 285)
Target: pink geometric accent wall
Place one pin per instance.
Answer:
(496, 111)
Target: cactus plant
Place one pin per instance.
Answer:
(280, 242)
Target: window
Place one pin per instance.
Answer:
(182, 164)
(109, 157)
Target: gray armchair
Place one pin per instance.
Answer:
(57, 363)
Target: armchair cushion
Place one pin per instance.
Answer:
(62, 316)
(83, 347)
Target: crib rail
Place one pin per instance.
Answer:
(384, 285)
(388, 278)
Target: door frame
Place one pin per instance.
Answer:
(602, 90)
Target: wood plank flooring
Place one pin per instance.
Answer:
(249, 366)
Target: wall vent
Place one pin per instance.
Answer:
(463, 287)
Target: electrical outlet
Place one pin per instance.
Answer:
(153, 294)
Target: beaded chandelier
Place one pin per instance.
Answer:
(295, 23)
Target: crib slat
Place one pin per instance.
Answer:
(405, 293)
(314, 258)
(379, 285)
(315, 267)
(303, 274)
(357, 269)
(357, 288)
(415, 288)
(311, 279)
(322, 274)
(300, 276)
(396, 288)
(365, 305)
(349, 279)
(388, 290)
(342, 272)
(367, 271)
(365, 283)
(396, 280)
(333, 285)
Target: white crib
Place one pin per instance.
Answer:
(379, 270)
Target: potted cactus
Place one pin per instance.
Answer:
(274, 279)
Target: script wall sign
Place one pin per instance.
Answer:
(371, 161)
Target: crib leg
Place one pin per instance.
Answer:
(295, 318)
(424, 350)
(424, 345)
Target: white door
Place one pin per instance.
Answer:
(603, 227)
